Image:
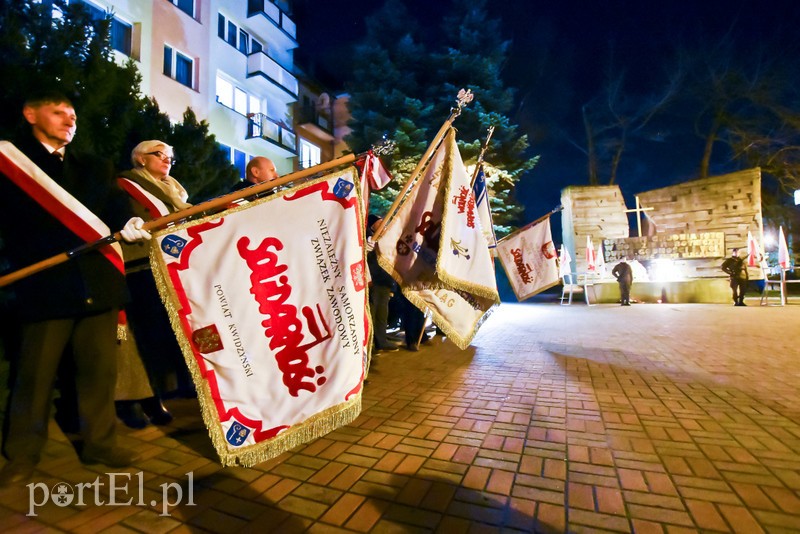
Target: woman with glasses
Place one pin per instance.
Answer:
(153, 194)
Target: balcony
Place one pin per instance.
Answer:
(259, 125)
(314, 121)
(260, 64)
(272, 12)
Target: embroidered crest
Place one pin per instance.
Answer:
(207, 339)
(237, 434)
(357, 274)
(173, 245)
(342, 188)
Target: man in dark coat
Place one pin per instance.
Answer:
(75, 303)
(736, 268)
(624, 275)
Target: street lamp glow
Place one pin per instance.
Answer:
(769, 240)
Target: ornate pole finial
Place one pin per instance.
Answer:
(385, 147)
(463, 98)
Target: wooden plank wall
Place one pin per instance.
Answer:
(595, 211)
(730, 204)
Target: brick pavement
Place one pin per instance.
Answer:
(654, 418)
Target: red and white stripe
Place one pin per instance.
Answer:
(154, 206)
(57, 201)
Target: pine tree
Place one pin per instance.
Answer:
(403, 87)
(58, 45)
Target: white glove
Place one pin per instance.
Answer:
(370, 244)
(132, 231)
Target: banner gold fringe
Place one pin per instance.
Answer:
(314, 427)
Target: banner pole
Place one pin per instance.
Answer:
(480, 156)
(464, 97)
(215, 204)
(533, 223)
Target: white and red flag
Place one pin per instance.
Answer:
(268, 301)
(529, 259)
(753, 251)
(591, 258)
(783, 251)
(564, 262)
(434, 247)
(374, 176)
(600, 261)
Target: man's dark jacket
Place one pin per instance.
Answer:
(86, 285)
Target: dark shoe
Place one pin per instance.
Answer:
(16, 472)
(116, 457)
(156, 411)
(130, 413)
(626, 303)
(412, 348)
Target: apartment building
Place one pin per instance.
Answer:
(232, 62)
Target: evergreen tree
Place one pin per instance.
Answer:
(403, 87)
(60, 46)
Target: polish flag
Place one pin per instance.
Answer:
(753, 252)
(783, 251)
(591, 258)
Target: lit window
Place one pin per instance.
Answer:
(254, 105)
(178, 66)
(240, 101)
(224, 92)
(310, 155)
(187, 6)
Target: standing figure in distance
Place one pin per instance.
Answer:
(624, 275)
(736, 268)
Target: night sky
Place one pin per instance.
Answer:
(558, 54)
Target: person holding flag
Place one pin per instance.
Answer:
(53, 199)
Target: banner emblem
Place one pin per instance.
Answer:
(173, 245)
(237, 434)
(207, 339)
(342, 188)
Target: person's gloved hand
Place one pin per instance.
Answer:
(370, 244)
(132, 231)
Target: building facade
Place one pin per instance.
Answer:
(232, 62)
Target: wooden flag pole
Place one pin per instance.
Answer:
(213, 205)
(464, 97)
(480, 156)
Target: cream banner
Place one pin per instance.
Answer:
(529, 259)
(435, 249)
(268, 301)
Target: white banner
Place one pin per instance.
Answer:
(435, 249)
(268, 300)
(529, 259)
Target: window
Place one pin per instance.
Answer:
(244, 42)
(178, 66)
(240, 162)
(119, 32)
(239, 101)
(224, 92)
(235, 36)
(237, 98)
(187, 6)
(310, 155)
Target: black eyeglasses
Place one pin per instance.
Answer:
(163, 157)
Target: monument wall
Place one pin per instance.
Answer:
(688, 229)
